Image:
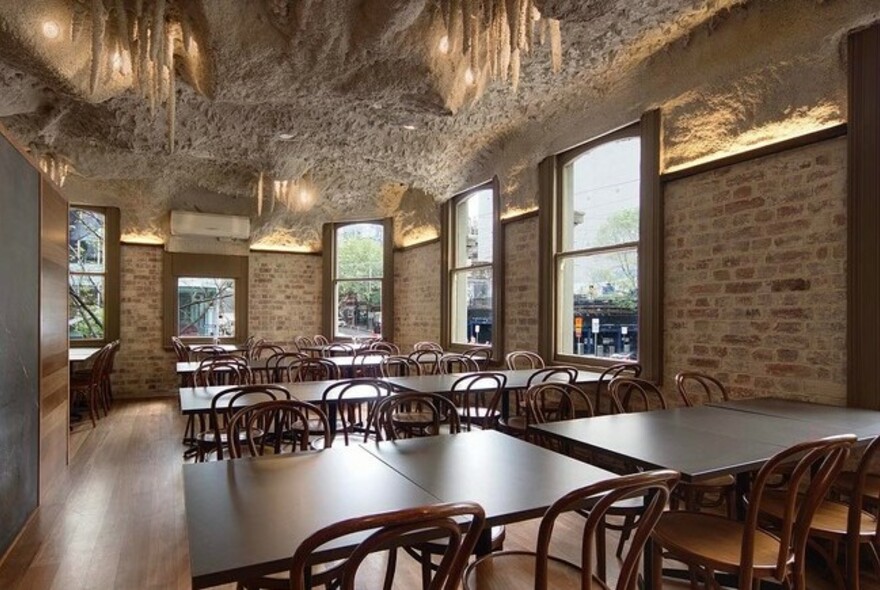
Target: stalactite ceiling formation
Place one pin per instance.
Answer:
(296, 112)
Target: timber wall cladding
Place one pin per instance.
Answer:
(755, 288)
(19, 346)
(54, 374)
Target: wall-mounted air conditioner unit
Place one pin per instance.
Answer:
(209, 225)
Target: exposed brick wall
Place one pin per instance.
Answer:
(417, 295)
(143, 367)
(284, 296)
(521, 284)
(755, 274)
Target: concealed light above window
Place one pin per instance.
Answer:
(51, 29)
(409, 127)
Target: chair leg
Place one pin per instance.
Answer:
(390, 569)
(601, 552)
(626, 530)
(426, 569)
(657, 565)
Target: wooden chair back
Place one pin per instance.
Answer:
(867, 466)
(481, 354)
(206, 351)
(320, 340)
(180, 350)
(223, 407)
(553, 402)
(415, 415)
(631, 394)
(395, 529)
(277, 365)
(399, 366)
(523, 359)
(311, 369)
(366, 363)
(303, 342)
(818, 461)
(471, 392)
(427, 345)
(559, 374)
(694, 386)
(457, 363)
(273, 426)
(264, 349)
(339, 349)
(652, 486)
(223, 370)
(602, 402)
(356, 400)
(388, 347)
(428, 361)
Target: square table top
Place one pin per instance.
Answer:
(701, 442)
(861, 422)
(343, 362)
(76, 355)
(246, 517)
(516, 379)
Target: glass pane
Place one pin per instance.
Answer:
(472, 306)
(206, 307)
(86, 240)
(598, 305)
(600, 196)
(358, 308)
(359, 251)
(85, 307)
(473, 231)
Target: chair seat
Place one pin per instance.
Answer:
(514, 570)
(715, 539)
(846, 481)
(830, 518)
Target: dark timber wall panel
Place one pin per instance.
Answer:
(54, 375)
(19, 344)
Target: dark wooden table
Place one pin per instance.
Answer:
(443, 383)
(246, 517)
(345, 363)
(76, 355)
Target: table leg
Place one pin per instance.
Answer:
(484, 543)
(743, 482)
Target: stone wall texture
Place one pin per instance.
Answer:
(521, 284)
(755, 283)
(417, 295)
(143, 367)
(284, 296)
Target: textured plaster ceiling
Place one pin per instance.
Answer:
(316, 87)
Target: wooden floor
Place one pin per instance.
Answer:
(116, 519)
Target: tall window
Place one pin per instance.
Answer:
(87, 290)
(359, 279)
(597, 255)
(471, 269)
(205, 307)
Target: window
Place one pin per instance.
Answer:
(597, 259)
(93, 258)
(205, 297)
(471, 300)
(471, 309)
(359, 278)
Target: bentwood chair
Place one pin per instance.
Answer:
(366, 363)
(603, 403)
(523, 359)
(264, 349)
(524, 570)
(181, 350)
(399, 366)
(517, 425)
(713, 543)
(223, 404)
(338, 349)
(457, 363)
(695, 388)
(223, 370)
(85, 386)
(554, 402)
(355, 401)
(310, 369)
(275, 427)
(383, 346)
(428, 360)
(392, 530)
(481, 354)
(303, 342)
(277, 366)
(427, 345)
(320, 340)
(837, 523)
(478, 399)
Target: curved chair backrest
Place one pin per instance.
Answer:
(320, 340)
(857, 499)
(630, 394)
(428, 360)
(264, 349)
(427, 345)
(399, 366)
(277, 365)
(366, 363)
(352, 397)
(457, 363)
(206, 351)
(224, 404)
(273, 426)
(818, 461)
(559, 374)
(388, 347)
(523, 359)
(312, 369)
(339, 349)
(180, 350)
(303, 342)
(553, 402)
(694, 386)
(652, 486)
(414, 415)
(484, 390)
(223, 370)
(391, 529)
(481, 354)
(602, 402)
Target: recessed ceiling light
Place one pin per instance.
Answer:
(443, 46)
(51, 29)
(469, 77)
(409, 127)
(286, 136)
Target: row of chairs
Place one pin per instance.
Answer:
(91, 388)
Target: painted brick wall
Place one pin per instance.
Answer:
(143, 367)
(284, 296)
(521, 288)
(755, 274)
(417, 295)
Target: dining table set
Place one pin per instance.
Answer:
(245, 517)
